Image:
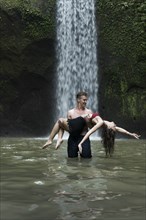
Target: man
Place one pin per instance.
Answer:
(73, 140)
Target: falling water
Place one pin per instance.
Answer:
(76, 53)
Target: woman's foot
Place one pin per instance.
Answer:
(47, 144)
(80, 148)
(59, 142)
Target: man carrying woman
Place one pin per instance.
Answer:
(79, 120)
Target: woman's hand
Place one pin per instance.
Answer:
(80, 148)
(135, 135)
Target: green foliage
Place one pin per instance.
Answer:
(9, 4)
(38, 17)
(122, 34)
(122, 26)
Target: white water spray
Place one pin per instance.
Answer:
(76, 54)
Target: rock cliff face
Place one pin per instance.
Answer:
(27, 76)
(122, 63)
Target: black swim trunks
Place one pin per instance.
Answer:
(76, 126)
(72, 148)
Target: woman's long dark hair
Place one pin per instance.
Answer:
(108, 140)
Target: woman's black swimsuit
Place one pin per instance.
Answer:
(76, 125)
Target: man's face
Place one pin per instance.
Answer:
(83, 101)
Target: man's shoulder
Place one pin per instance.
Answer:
(71, 113)
(74, 113)
(71, 110)
(89, 111)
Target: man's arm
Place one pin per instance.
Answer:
(69, 114)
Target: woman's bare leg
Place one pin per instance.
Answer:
(63, 127)
(61, 123)
(52, 135)
(59, 140)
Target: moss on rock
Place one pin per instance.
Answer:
(28, 30)
(122, 59)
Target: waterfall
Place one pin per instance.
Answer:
(76, 54)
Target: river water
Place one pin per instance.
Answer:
(41, 184)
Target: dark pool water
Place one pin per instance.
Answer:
(41, 184)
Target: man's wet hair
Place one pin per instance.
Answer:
(79, 94)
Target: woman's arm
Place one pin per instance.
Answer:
(122, 130)
(98, 123)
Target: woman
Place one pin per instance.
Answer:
(73, 126)
(108, 135)
(76, 126)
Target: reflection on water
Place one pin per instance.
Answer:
(41, 184)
